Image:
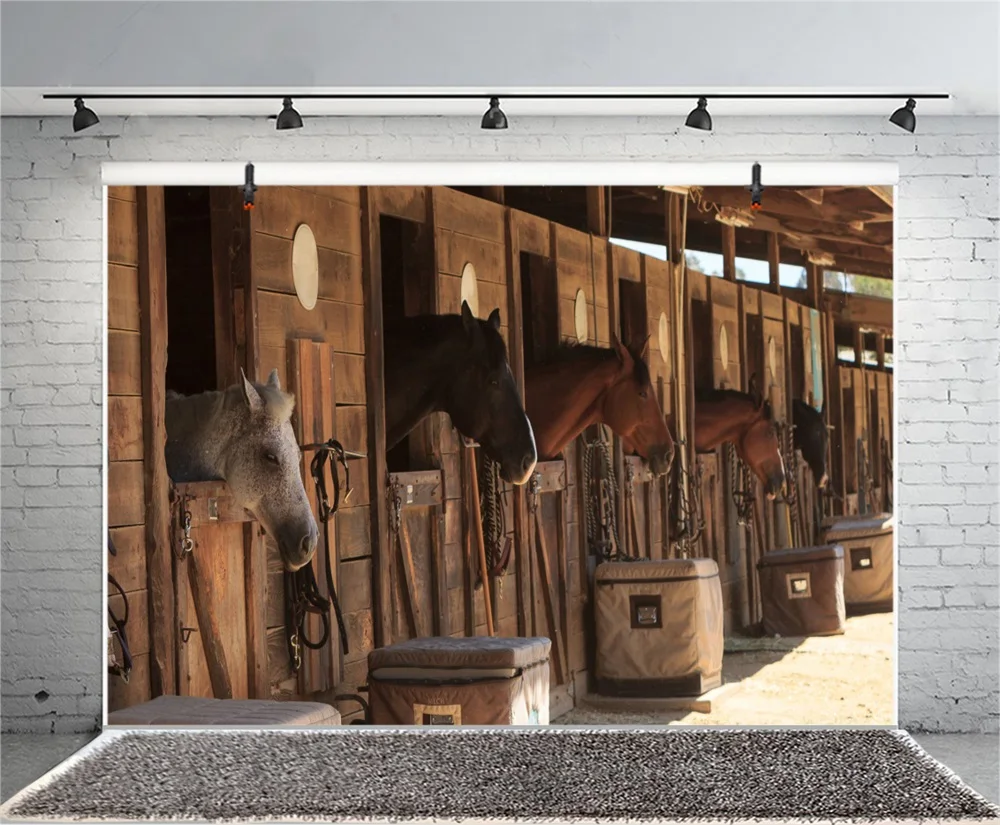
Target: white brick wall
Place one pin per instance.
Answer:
(947, 350)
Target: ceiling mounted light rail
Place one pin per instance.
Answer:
(495, 118)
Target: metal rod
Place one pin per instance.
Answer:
(479, 95)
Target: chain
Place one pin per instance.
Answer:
(491, 493)
(689, 507)
(183, 548)
(608, 482)
(743, 492)
(865, 479)
(395, 505)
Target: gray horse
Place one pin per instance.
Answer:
(243, 435)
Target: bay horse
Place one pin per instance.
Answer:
(811, 435)
(583, 385)
(457, 364)
(243, 435)
(746, 421)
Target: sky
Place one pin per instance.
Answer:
(711, 264)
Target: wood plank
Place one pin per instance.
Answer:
(282, 316)
(468, 215)
(348, 194)
(123, 232)
(123, 694)
(593, 280)
(490, 296)
(627, 263)
(152, 226)
(339, 272)
(408, 202)
(352, 428)
(774, 262)
(209, 631)
(454, 251)
(412, 592)
(126, 499)
(139, 619)
(129, 565)
(124, 363)
(420, 488)
(122, 193)
(375, 381)
(280, 210)
(559, 653)
(255, 605)
(123, 297)
(531, 232)
(353, 525)
(355, 585)
(350, 372)
(124, 428)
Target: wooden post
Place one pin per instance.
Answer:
(814, 285)
(597, 211)
(880, 349)
(375, 382)
(729, 252)
(859, 346)
(493, 193)
(208, 628)
(159, 557)
(774, 262)
(515, 329)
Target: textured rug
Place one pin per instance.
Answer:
(564, 775)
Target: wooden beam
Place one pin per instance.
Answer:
(860, 310)
(880, 349)
(597, 211)
(729, 252)
(494, 193)
(812, 195)
(814, 285)
(883, 193)
(371, 264)
(774, 262)
(859, 346)
(152, 226)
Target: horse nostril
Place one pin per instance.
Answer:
(527, 463)
(308, 544)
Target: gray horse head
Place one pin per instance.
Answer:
(262, 464)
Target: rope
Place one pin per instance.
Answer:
(302, 594)
(491, 494)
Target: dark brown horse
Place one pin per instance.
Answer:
(581, 385)
(458, 364)
(746, 421)
(811, 438)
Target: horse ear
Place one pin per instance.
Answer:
(272, 380)
(469, 320)
(623, 354)
(494, 319)
(644, 350)
(250, 394)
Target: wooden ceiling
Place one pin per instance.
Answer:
(852, 226)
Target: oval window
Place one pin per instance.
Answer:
(771, 362)
(663, 334)
(724, 347)
(580, 316)
(470, 288)
(305, 266)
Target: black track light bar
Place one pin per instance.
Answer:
(512, 96)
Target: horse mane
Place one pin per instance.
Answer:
(277, 403)
(714, 395)
(571, 352)
(444, 326)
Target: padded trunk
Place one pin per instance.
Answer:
(468, 681)
(868, 573)
(659, 627)
(802, 591)
(187, 711)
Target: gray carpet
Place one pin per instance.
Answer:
(520, 774)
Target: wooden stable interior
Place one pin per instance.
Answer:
(194, 275)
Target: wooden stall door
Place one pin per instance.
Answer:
(773, 383)
(210, 582)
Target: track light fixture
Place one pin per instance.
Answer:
(699, 117)
(494, 117)
(83, 118)
(755, 187)
(249, 187)
(904, 118)
(288, 118)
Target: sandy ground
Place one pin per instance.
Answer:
(822, 680)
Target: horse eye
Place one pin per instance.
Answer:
(271, 457)
(642, 395)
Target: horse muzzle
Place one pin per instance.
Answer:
(660, 459)
(297, 554)
(823, 482)
(519, 472)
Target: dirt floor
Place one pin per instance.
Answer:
(822, 680)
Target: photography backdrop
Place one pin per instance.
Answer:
(946, 281)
